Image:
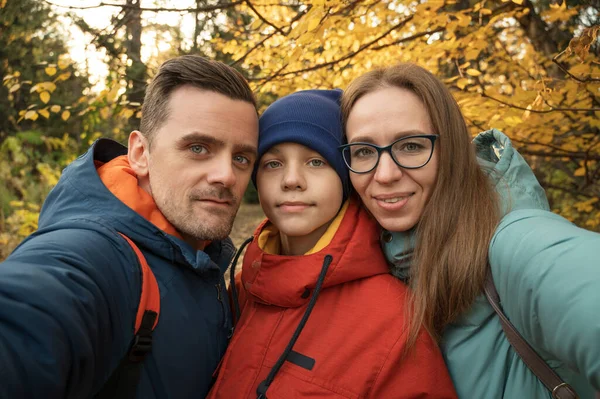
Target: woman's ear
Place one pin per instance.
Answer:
(138, 153)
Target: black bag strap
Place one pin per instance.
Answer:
(555, 384)
(123, 382)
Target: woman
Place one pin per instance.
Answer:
(447, 208)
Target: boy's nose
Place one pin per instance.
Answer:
(293, 179)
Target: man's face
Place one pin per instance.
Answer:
(200, 162)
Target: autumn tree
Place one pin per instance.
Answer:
(528, 68)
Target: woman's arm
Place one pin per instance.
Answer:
(547, 273)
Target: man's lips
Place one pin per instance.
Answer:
(215, 201)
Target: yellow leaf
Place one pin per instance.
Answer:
(63, 76)
(519, 2)
(462, 83)
(33, 115)
(14, 88)
(473, 72)
(63, 63)
(127, 113)
(3, 3)
(45, 97)
(51, 71)
(580, 172)
(44, 112)
(55, 108)
(65, 115)
(485, 11)
(47, 86)
(16, 204)
(313, 23)
(513, 120)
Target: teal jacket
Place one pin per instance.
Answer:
(547, 273)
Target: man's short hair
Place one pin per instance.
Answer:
(194, 71)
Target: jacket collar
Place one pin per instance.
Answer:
(288, 281)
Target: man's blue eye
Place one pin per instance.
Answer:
(241, 159)
(197, 149)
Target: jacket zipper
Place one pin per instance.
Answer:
(218, 286)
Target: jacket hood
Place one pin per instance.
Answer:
(510, 175)
(288, 281)
(82, 200)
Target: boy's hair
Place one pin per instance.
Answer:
(311, 118)
(190, 70)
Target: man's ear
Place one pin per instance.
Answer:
(138, 153)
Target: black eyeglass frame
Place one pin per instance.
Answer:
(388, 149)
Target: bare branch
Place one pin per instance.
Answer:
(571, 155)
(221, 6)
(260, 16)
(259, 44)
(347, 56)
(562, 68)
(538, 111)
(409, 38)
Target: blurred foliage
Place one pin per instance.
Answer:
(528, 67)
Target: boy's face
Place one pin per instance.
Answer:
(298, 190)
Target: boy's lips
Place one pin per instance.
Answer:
(293, 206)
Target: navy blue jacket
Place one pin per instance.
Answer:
(69, 295)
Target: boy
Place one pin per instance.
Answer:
(321, 315)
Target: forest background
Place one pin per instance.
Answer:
(530, 68)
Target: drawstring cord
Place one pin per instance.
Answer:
(261, 391)
(234, 294)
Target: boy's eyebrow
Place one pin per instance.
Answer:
(273, 150)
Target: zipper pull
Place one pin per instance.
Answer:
(219, 295)
(218, 286)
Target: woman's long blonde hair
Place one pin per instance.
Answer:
(453, 235)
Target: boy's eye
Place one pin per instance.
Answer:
(198, 149)
(272, 164)
(316, 162)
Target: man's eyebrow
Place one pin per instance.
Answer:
(197, 136)
(212, 140)
(398, 135)
(247, 148)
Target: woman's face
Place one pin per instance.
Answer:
(395, 196)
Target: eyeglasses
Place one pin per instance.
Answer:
(411, 152)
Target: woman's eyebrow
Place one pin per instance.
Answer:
(398, 135)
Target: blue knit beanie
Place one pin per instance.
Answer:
(311, 118)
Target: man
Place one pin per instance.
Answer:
(70, 292)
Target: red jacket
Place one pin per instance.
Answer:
(352, 343)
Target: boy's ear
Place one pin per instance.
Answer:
(138, 153)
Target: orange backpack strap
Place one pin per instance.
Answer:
(125, 378)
